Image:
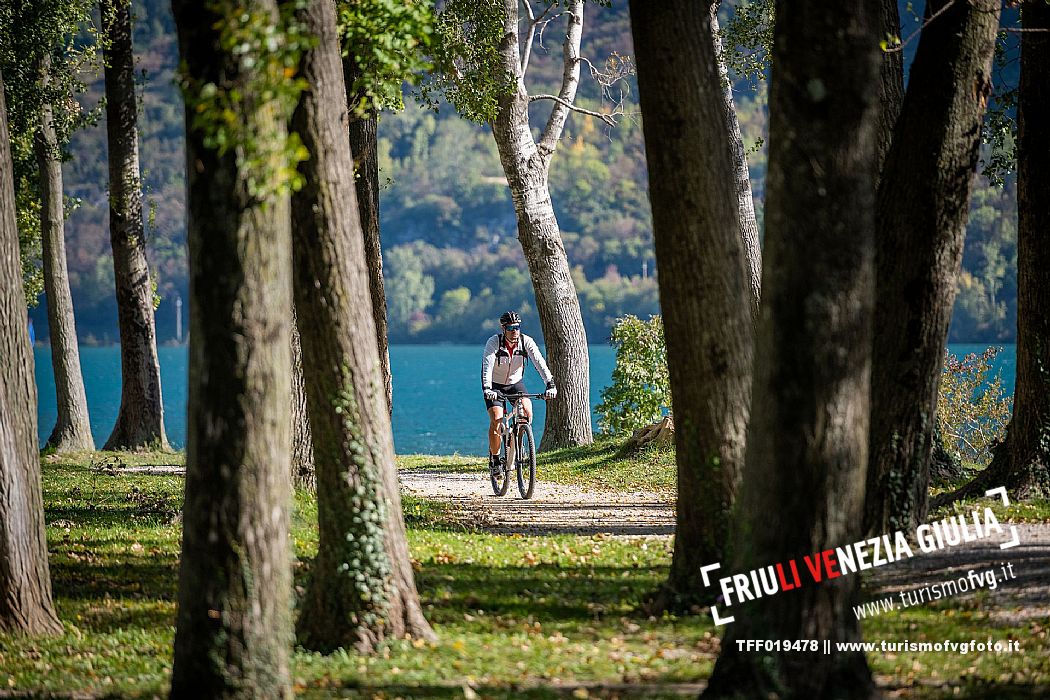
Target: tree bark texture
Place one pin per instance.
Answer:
(526, 165)
(891, 83)
(1022, 462)
(364, 146)
(72, 429)
(303, 475)
(922, 206)
(234, 632)
(1028, 442)
(26, 605)
(745, 200)
(704, 276)
(140, 422)
(803, 486)
(361, 587)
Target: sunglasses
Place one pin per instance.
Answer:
(513, 327)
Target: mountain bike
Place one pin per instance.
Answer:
(517, 447)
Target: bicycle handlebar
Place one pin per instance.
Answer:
(511, 397)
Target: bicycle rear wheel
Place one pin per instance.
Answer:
(525, 464)
(500, 483)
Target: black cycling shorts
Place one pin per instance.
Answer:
(516, 388)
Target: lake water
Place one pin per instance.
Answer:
(437, 402)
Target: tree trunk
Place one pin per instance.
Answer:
(361, 587)
(745, 200)
(1022, 463)
(922, 207)
(234, 634)
(803, 485)
(1029, 431)
(891, 84)
(72, 430)
(526, 165)
(704, 277)
(303, 475)
(364, 146)
(25, 582)
(140, 422)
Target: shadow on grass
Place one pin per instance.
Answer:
(83, 580)
(971, 691)
(545, 593)
(499, 692)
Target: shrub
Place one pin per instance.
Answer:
(640, 392)
(972, 411)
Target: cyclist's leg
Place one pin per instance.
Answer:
(526, 409)
(495, 416)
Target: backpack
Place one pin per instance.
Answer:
(519, 350)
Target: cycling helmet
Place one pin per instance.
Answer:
(508, 318)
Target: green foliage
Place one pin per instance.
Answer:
(640, 392)
(388, 41)
(31, 34)
(27, 209)
(266, 55)
(469, 68)
(972, 410)
(999, 130)
(986, 304)
(361, 549)
(408, 290)
(747, 40)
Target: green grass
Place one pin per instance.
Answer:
(517, 616)
(1033, 510)
(510, 611)
(596, 466)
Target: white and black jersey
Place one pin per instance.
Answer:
(505, 364)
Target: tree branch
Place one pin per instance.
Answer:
(608, 118)
(935, 15)
(570, 80)
(527, 54)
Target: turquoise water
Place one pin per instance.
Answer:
(437, 402)
(438, 407)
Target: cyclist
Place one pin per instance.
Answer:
(503, 369)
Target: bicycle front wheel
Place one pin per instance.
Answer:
(500, 483)
(525, 463)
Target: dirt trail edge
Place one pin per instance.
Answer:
(553, 508)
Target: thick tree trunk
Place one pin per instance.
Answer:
(803, 484)
(922, 206)
(72, 429)
(705, 271)
(361, 587)
(234, 632)
(526, 164)
(1022, 463)
(1025, 462)
(303, 475)
(140, 422)
(25, 582)
(364, 146)
(745, 200)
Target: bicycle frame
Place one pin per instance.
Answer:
(514, 427)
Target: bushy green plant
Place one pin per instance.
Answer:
(972, 410)
(640, 392)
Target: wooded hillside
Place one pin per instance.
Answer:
(448, 228)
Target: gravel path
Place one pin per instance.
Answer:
(553, 508)
(1023, 596)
